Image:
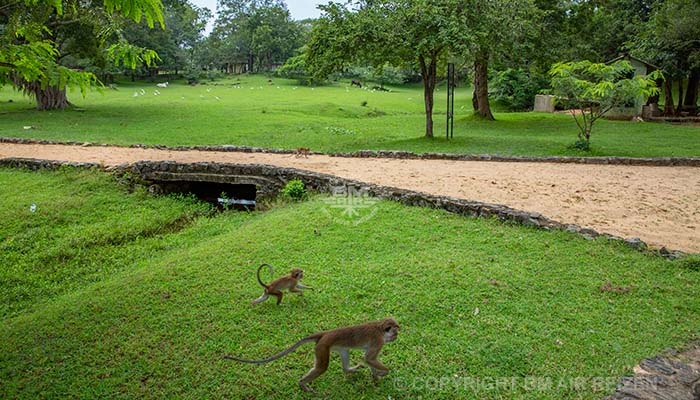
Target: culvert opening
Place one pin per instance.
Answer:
(223, 195)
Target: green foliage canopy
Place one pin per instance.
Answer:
(593, 89)
(35, 36)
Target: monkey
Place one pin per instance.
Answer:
(369, 337)
(302, 152)
(275, 287)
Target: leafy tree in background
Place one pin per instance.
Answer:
(416, 33)
(672, 41)
(260, 33)
(496, 27)
(176, 43)
(590, 90)
(38, 38)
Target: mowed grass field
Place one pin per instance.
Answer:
(100, 301)
(251, 111)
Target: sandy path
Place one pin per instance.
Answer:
(661, 205)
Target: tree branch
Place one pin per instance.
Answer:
(7, 65)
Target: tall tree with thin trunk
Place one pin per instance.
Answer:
(496, 26)
(419, 33)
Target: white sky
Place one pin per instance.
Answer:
(300, 9)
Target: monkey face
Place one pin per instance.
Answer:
(390, 329)
(297, 273)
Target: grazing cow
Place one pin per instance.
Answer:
(356, 83)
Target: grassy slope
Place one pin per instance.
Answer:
(84, 228)
(329, 118)
(158, 328)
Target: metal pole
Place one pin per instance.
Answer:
(450, 100)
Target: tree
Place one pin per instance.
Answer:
(258, 32)
(677, 46)
(36, 36)
(496, 26)
(590, 90)
(418, 33)
(175, 44)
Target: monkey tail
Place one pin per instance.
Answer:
(312, 338)
(258, 274)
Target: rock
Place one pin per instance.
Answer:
(636, 243)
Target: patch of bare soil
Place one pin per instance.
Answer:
(660, 205)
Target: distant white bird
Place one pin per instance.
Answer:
(157, 92)
(163, 85)
(143, 92)
(136, 94)
(208, 90)
(217, 97)
(32, 207)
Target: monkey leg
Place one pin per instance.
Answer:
(320, 366)
(260, 299)
(279, 296)
(378, 369)
(296, 290)
(345, 360)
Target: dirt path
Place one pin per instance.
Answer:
(660, 205)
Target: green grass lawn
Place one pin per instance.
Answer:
(327, 118)
(148, 313)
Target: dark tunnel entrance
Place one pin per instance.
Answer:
(223, 195)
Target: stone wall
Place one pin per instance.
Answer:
(407, 155)
(270, 179)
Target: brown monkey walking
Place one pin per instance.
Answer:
(302, 152)
(369, 337)
(290, 282)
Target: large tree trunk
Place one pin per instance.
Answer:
(429, 75)
(669, 108)
(51, 98)
(691, 93)
(481, 86)
(47, 98)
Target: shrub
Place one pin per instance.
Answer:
(516, 89)
(596, 88)
(294, 190)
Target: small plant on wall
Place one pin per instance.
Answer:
(592, 89)
(294, 190)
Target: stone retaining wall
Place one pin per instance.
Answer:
(270, 179)
(406, 155)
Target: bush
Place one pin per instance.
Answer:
(294, 190)
(295, 68)
(516, 89)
